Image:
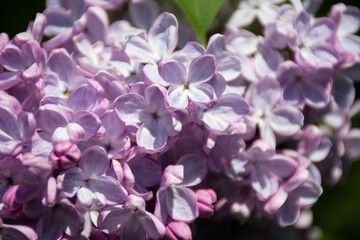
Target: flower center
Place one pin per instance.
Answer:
(155, 115)
(186, 86)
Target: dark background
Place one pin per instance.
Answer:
(337, 213)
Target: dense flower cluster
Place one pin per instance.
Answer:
(117, 129)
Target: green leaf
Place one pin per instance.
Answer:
(201, 14)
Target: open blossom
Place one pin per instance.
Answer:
(248, 10)
(264, 168)
(131, 220)
(93, 190)
(312, 44)
(156, 123)
(189, 83)
(271, 115)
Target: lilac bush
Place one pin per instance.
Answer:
(129, 129)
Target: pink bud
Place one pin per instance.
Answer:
(178, 231)
(205, 200)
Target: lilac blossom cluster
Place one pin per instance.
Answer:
(119, 130)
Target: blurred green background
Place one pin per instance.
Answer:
(337, 213)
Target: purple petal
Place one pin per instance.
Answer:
(152, 135)
(267, 133)
(94, 161)
(229, 108)
(286, 120)
(173, 174)
(229, 67)
(109, 188)
(58, 21)
(343, 90)
(241, 17)
(201, 69)
(264, 94)
(133, 230)
(177, 97)
(152, 73)
(288, 213)
(264, 183)
(139, 49)
(82, 98)
(302, 24)
(321, 30)
(9, 80)
(49, 117)
(61, 65)
(315, 95)
(307, 193)
(173, 72)
(181, 204)
(97, 22)
(349, 21)
(215, 45)
(188, 53)
(293, 93)
(281, 165)
(163, 35)
(310, 139)
(115, 220)
(147, 172)
(90, 122)
(319, 53)
(195, 169)
(13, 59)
(73, 179)
(201, 93)
(152, 226)
(143, 13)
(131, 108)
(18, 232)
(267, 61)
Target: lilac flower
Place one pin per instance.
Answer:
(264, 10)
(61, 76)
(32, 177)
(131, 221)
(311, 45)
(241, 42)
(299, 192)
(22, 64)
(306, 85)
(161, 41)
(270, 116)
(263, 167)
(147, 172)
(15, 231)
(189, 84)
(15, 132)
(174, 199)
(58, 219)
(64, 20)
(347, 23)
(228, 109)
(156, 123)
(113, 136)
(93, 190)
(227, 65)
